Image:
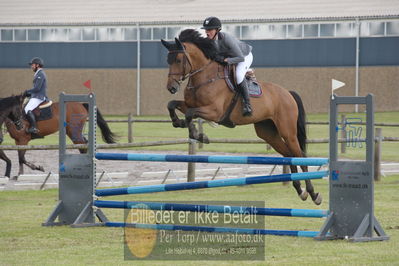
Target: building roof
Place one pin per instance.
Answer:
(103, 12)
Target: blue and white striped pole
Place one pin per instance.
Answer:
(211, 208)
(211, 183)
(212, 159)
(247, 231)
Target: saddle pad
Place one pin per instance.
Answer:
(43, 114)
(254, 88)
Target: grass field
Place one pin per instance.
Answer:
(23, 241)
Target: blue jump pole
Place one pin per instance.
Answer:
(211, 183)
(215, 229)
(211, 208)
(212, 159)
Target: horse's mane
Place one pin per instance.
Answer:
(6, 103)
(206, 45)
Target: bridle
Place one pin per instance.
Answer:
(184, 75)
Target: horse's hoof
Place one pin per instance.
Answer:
(318, 199)
(203, 138)
(14, 178)
(179, 123)
(304, 195)
(40, 168)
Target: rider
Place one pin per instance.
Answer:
(37, 93)
(231, 51)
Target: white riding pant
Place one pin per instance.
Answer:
(32, 104)
(242, 68)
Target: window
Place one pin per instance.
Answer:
(393, 28)
(102, 34)
(173, 32)
(115, 34)
(159, 33)
(60, 35)
(130, 34)
(327, 30)
(75, 34)
(145, 33)
(232, 29)
(20, 35)
(310, 30)
(89, 34)
(279, 31)
(257, 31)
(294, 31)
(346, 29)
(6, 35)
(47, 35)
(377, 28)
(34, 35)
(364, 28)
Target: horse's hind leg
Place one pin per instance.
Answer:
(293, 145)
(267, 131)
(316, 197)
(76, 136)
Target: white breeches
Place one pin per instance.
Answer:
(32, 104)
(243, 67)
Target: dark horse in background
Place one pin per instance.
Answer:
(278, 114)
(10, 108)
(76, 115)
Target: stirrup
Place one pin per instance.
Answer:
(247, 111)
(32, 130)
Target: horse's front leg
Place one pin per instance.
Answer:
(192, 113)
(4, 157)
(22, 161)
(176, 121)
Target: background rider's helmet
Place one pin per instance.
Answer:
(211, 23)
(37, 60)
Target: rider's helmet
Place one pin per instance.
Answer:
(211, 23)
(37, 60)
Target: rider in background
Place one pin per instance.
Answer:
(37, 94)
(231, 51)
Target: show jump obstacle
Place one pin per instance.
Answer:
(350, 214)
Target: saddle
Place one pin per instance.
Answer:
(43, 111)
(254, 88)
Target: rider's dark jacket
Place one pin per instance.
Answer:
(231, 48)
(39, 89)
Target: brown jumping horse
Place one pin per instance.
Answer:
(76, 115)
(278, 114)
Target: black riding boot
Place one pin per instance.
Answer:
(246, 105)
(32, 121)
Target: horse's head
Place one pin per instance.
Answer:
(179, 65)
(12, 109)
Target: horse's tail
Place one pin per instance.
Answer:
(107, 135)
(301, 123)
